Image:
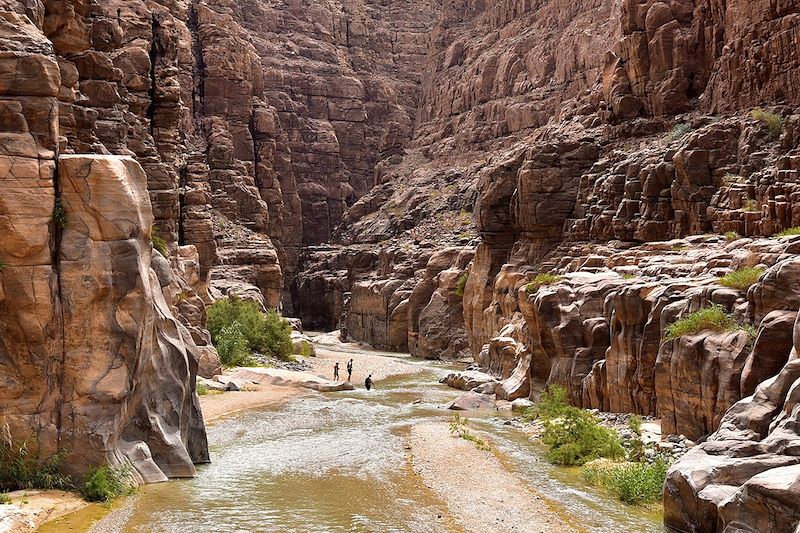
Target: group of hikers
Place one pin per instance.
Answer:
(367, 382)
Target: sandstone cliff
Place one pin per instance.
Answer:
(357, 161)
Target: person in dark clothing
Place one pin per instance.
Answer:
(368, 382)
(349, 369)
(336, 371)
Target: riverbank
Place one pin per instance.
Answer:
(455, 469)
(30, 509)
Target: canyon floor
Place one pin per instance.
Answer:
(339, 457)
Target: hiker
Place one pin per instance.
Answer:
(349, 369)
(336, 371)
(368, 382)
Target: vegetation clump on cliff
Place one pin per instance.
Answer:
(712, 318)
(572, 435)
(789, 232)
(772, 121)
(158, 242)
(541, 279)
(238, 327)
(461, 283)
(742, 279)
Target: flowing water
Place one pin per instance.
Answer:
(340, 462)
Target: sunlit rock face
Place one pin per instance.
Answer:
(95, 339)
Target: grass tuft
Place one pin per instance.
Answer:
(5, 499)
(742, 279)
(679, 131)
(158, 242)
(461, 283)
(632, 483)
(772, 121)
(731, 236)
(60, 216)
(541, 279)
(459, 428)
(788, 232)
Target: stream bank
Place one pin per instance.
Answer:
(380, 460)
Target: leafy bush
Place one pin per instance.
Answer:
(104, 484)
(233, 347)
(60, 216)
(541, 279)
(461, 283)
(5, 499)
(731, 236)
(712, 318)
(573, 436)
(21, 468)
(742, 279)
(576, 437)
(553, 403)
(266, 333)
(158, 242)
(679, 131)
(789, 232)
(772, 121)
(634, 483)
(629, 275)
(201, 389)
(635, 424)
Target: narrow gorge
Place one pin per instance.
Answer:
(547, 189)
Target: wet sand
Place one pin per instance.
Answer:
(32, 508)
(478, 490)
(215, 406)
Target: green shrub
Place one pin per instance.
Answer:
(731, 236)
(5, 499)
(266, 333)
(461, 283)
(741, 279)
(628, 275)
(772, 121)
(553, 403)
(573, 436)
(679, 131)
(21, 468)
(232, 346)
(60, 216)
(104, 484)
(276, 336)
(635, 424)
(712, 318)
(201, 389)
(634, 483)
(541, 279)
(789, 232)
(158, 242)
(576, 437)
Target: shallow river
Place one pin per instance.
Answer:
(340, 462)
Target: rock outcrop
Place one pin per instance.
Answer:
(89, 269)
